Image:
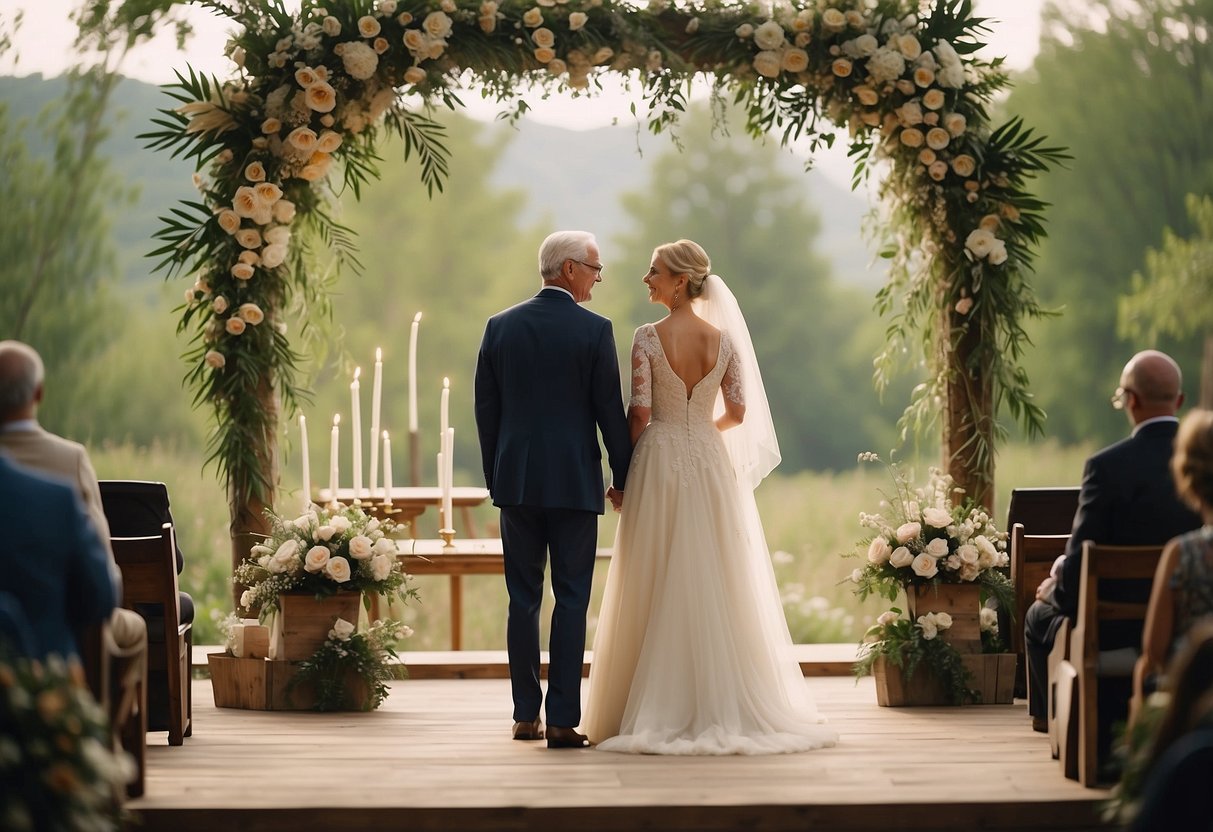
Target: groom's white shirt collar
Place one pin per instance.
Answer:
(558, 289)
(20, 426)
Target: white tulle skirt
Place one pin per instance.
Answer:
(692, 653)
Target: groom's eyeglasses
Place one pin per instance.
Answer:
(1121, 397)
(596, 269)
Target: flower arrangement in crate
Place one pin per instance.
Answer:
(931, 544)
(321, 554)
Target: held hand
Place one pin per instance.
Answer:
(1045, 591)
(616, 497)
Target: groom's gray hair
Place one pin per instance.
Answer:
(560, 246)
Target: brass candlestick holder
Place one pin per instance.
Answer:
(448, 538)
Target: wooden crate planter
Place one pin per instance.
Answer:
(261, 685)
(993, 676)
(304, 622)
(961, 601)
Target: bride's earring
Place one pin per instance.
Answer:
(674, 305)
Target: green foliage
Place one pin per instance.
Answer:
(1125, 86)
(364, 656)
(1175, 294)
(905, 645)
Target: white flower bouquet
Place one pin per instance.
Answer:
(926, 537)
(322, 552)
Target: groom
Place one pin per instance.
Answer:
(547, 380)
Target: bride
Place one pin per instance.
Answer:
(692, 653)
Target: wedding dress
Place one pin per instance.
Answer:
(692, 653)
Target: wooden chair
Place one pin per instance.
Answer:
(1108, 572)
(1043, 510)
(1032, 556)
(149, 576)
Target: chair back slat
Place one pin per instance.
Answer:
(1043, 510)
(1108, 573)
(1032, 557)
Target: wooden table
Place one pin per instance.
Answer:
(481, 556)
(410, 502)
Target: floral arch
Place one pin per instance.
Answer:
(316, 88)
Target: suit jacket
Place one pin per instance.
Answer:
(42, 451)
(1127, 499)
(547, 381)
(53, 561)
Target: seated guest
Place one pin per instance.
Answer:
(27, 444)
(1178, 763)
(53, 561)
(16, 639)
(1127, 498)
(1183, 585)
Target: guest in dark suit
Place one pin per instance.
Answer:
(1127, 499)
(547, 381)
(53, 561)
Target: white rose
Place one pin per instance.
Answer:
(287, 551)
(284, 211)
(938, 170)
(321, 97)
(908, 531)
(577, 20)
(979, 242)
(387, 7)
(341, 523)
(342, 630)
(856, 575)
(943, 620)
(938, 138)
(543, 37)
(936, 517)
(866, 95)
(968, 571)
(272, 256)
(278, 235)
(316, 558)
(245, 202)
(927, 624)
(952, 562)
(360, 60)
(248, 237)
(879, 550)
(384, 546)
(368, 26)
(229, 220)
(216, 361)
(769, 35)
(925, 566)
(331, 26)
(437, 25)
(360, 547)
(302, 139)
(267, 194)
(414, 75)
(937, 548)
(989, 620)
(933, 99)
(381, 567)
(998, 253)
(901, 557)
(545, 54)
(833, 20)
(886, 65)
(967, 553)
(964, 165)
(909, 46)
(886, 617)
(325, 532)
(767, 64)
(338, 569)
(254, 172)
(246, 599)
(911, 137)
(234, 326)
(841, 67)
(251, 313)
(955, 123)
(744, 30)
(795, 60)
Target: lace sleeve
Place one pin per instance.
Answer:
(732, 383)
(642, 371)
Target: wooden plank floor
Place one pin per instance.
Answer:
(437, 756)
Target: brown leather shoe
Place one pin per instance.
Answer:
(528, 730)
(566, 738)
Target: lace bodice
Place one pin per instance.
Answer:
(656, 385)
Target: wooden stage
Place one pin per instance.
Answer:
(437, 756)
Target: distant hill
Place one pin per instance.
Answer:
(572, 178)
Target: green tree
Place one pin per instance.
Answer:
(1175, 294)
(1125, 86)
(815, 339)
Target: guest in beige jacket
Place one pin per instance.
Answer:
(26, 443)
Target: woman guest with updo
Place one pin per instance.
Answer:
(1183, 585)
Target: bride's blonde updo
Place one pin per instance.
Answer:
(686, 257)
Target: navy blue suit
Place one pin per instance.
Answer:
(1127, 499)
(547, 382)
(53, 562)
